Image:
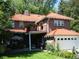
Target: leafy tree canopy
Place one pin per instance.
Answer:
(71, 8)
(34, 6)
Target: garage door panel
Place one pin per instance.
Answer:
(77, 43)
(67, 44)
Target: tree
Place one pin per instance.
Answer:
(40, 6)
(5, 14)
(17, 5)
(71, 8)
(34, 6)
(75, 25)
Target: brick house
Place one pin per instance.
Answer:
(37, 27)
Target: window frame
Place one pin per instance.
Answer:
(58, 23)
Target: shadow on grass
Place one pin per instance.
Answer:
(22, 54)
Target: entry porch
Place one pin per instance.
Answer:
(26, 41)
(36, 40)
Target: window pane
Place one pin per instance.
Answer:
(58, 39)
(58, 23)
(61, 23)
(68, 38)
(71, 38)
(61, 38)
(55, 22)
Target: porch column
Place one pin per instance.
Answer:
(29, 41)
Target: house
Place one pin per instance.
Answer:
(23, 26)
(57, 26)
(37, 27)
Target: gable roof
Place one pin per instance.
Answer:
(37, 18)
(31, 17)
(63, 32)
(56, 16)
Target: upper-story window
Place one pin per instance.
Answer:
(58, 23)
(13, 24)
(21, 24)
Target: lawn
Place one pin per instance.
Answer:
(33, 55)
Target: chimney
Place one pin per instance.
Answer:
(26, 12)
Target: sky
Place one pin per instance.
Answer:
(57, 4)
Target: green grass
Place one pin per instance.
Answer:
(33, 55)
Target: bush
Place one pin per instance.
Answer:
(2, 49)
(50, 47)
(56, 51)
(66, 54)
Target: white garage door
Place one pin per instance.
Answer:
(68, 43)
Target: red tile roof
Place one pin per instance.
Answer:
(62, 32)
(58, 16)
(55, 16)
(31, 17)
(17, 30)
(37, 18)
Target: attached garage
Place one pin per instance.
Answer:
(67, 42)
(67, 39)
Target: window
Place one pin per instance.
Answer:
(65, 38)
(68, 38)
(75, 38)
(71, 38)
(61, 23)
(58, 23)
(58, 39)
(55, 23)
(21, 24)
(61, 38)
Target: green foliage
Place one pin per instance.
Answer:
(56, 51)
(2, 49)
(66, 54)
(32, 55)
(34, 6)
(17, 5)
(75, 25)
(5, 13)
(50, 47)
(70, 8)
(1, 14)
